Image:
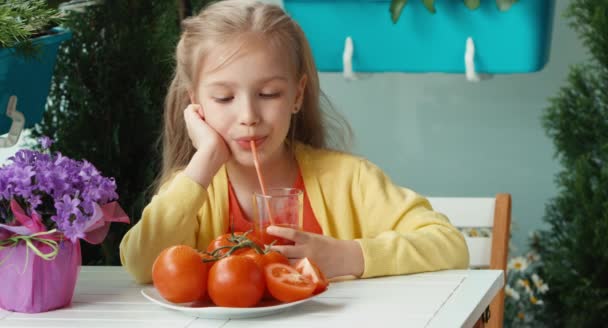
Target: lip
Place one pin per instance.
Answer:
(245, 143)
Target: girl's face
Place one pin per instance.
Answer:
(252, 96)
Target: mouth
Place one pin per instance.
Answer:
(245, 143)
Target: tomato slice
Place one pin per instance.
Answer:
(286, 284)
(262, 260)
(310, 269)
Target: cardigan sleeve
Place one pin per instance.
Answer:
(401, 232)
(171, 218)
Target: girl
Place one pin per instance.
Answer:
(245, 72)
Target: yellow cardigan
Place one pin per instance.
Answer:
(351, 198)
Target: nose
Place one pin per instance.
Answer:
(248, 113)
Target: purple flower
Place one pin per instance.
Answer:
(45, 142)
(61, 190)
(20, 180)
(67, 206)
(21, 175)
(34, 201)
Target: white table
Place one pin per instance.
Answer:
(108, 297)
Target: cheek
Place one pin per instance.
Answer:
(217, 118)
(279, 115)
(280, 110)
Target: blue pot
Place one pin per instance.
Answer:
(29, 79)
(513, 41)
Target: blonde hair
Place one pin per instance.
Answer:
(229, 20)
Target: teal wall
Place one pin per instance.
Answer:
(443, 136)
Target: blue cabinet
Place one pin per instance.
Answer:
(513, 41)
(28, 78)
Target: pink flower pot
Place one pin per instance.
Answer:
(32, 284)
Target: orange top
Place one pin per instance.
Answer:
(241, 223)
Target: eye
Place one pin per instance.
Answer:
(270, 95)
(222, 100)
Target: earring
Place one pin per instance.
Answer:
(296, 109)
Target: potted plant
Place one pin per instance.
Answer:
(47, 203)
(398, 5)
(402, 36)
(29, 39)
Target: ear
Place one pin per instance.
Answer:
(300, 92)
(193, 102)
(191, 95)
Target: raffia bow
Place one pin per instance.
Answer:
(29, 242)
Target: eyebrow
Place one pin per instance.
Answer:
(232, 84)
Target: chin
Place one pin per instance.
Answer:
(244, 159)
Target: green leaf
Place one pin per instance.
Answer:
(504, 5)
(430, 5)
(472, 4)
(21, 20)
(396, 9)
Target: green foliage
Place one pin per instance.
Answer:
(396, 6)
(574, 248)
(106, 99)
(20, 21)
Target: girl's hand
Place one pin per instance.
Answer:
(334, 257)
(201, 134)
(211, 149)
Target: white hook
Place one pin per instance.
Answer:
(469, 61)
(16, 125)
(347, 59)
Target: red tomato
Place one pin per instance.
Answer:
(275, 257)
(236, 281)
(206, 256)
(223, 241)
(255, 256)
(264, 259)
(179, 274)
(286, 284)
(310, 269)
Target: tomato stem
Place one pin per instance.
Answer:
(243, 244)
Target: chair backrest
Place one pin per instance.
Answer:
(485, 251)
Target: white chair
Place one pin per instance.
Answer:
(485, 252)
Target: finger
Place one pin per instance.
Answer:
(199, 110)
(291, 252)
(288, 233)
(194, 109)
(191, 108)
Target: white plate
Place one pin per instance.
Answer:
(211, 311)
